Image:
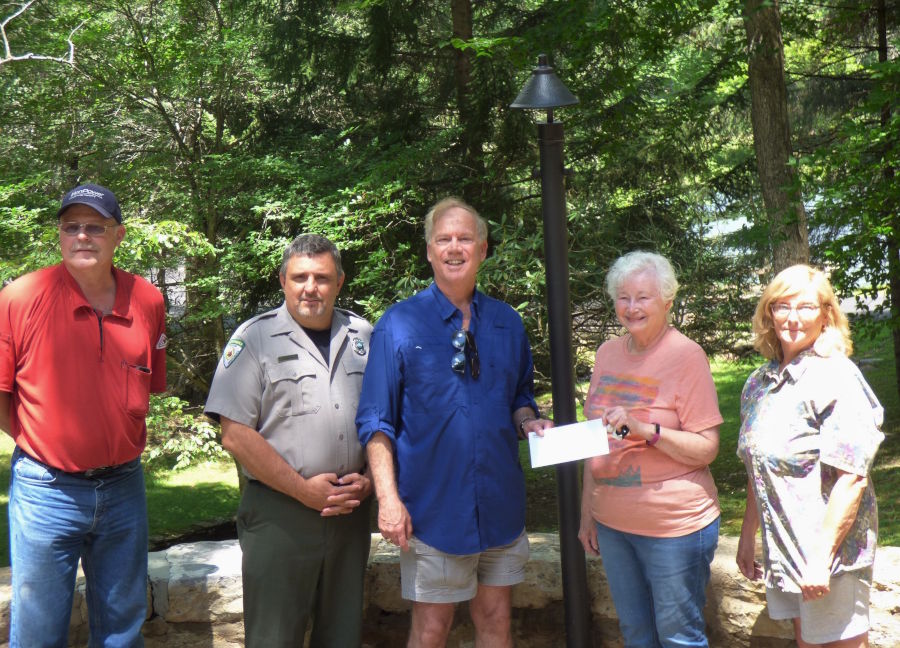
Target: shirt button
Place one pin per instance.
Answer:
(340, 437)
(336, 406)
(341, 467)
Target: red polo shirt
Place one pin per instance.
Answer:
(80, 383)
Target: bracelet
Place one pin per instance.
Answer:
(523, 422)
(653, 440)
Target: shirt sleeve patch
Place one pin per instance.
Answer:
(232, 351)
(162, 342)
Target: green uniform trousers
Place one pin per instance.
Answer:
(299, 567)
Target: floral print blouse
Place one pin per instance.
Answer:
(799, 427)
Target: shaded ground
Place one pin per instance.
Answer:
(212, 530)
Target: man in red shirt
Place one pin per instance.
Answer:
(82, 345)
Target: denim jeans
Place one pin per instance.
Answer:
(658, 585)
(56, 518)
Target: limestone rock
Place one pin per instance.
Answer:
(196, 600)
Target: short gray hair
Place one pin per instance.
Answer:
(445, 205)
(310, 245)
(640, 261)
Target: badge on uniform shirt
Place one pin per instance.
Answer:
(232, 351)
(359, 346)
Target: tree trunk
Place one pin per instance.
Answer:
(892, 217)
(471, 144)
(772, 135)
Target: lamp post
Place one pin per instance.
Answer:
(545, 91)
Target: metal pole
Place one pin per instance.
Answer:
(574, 572)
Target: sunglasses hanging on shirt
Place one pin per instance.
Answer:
(464, 343)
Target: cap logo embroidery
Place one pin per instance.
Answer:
(232, 351)
(78, 193)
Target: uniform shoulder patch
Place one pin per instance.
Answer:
(359, 346)
(232, 351)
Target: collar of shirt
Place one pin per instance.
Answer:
(287, 325)
(79, 301)
(446, 308)
(793, 371)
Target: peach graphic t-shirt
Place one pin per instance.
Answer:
(639, 488)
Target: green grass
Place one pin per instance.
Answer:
(875, 354)
(178, 501)
(727, 469)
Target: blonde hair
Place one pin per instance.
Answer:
(835, 335)
(445, 205)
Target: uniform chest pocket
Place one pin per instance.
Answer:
(354, 367)
(293, 389)
(354, 364)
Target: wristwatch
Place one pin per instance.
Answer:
(652, 440)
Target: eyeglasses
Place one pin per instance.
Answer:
(781, 310)
(91, 229)
(461, 341)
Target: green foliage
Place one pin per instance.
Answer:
(848, 133)
(27, 236)
(177, 438)
(228, 128)
(859, 206)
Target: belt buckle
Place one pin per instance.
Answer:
(97, 472)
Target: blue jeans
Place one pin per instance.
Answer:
(658, 585)
(55, 518)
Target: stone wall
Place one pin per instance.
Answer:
(195, 601)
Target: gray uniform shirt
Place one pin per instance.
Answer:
(272, 378)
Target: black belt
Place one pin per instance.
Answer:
(90, 473)
(102, 471)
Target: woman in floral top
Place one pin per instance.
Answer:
(809, 433)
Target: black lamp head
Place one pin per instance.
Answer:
(544, 90)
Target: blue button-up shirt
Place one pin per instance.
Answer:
(456, 448)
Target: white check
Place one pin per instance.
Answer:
(568, 443)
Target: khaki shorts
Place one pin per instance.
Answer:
(841, 614)
(428, 575)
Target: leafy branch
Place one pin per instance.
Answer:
(9, 57)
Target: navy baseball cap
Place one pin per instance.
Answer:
(99, 198)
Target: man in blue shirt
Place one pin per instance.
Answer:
(447, 393)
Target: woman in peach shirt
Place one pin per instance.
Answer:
(650, 507)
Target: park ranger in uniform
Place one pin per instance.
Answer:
(285, 392)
